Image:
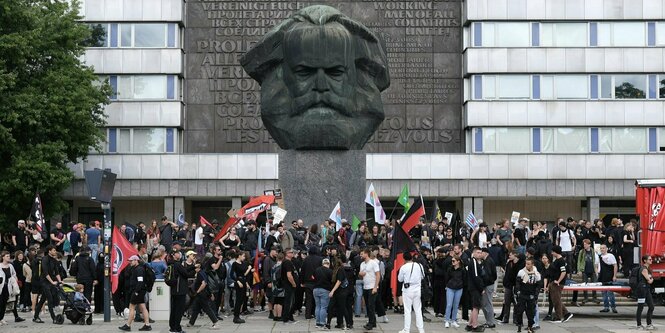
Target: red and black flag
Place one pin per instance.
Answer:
(412, 217)
(401, 243)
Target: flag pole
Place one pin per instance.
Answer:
(393, 211)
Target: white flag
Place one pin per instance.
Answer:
(372, 198)
(336, 215)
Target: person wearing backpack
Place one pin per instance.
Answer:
(202, 299)
(139, 286)
(277, 288)
(644, 281)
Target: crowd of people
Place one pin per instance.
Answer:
(327, 273)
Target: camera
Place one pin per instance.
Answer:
(407, 285)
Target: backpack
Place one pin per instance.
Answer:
(170, 277)
(148, 277)
(214, 282)
(277, 276)
(634, 278)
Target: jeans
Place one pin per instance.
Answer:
(321, 299)
(411, 297)
(370, 303)
(358, 307)
(536, 319)
(94, 251)
(608, 300)
(453, 297)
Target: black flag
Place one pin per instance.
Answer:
(37, 213)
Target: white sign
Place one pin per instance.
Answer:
(449, 217)
(515, 217)
(279, 215)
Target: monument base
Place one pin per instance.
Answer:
(313, 181)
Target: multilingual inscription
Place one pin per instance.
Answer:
(423, 41)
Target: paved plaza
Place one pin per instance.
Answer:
(586, 320)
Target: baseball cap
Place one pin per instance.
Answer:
(134, 257)
(190, 252)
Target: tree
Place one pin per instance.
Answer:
(51, 104)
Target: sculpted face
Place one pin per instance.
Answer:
(321, 88)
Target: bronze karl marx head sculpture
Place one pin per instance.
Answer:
(321, 77)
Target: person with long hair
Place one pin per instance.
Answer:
(313, 238)
(7, 272)
(454, 288)
(241, 272)
(19, 260)
(627, 255)
(643, 293)
(548, 275)
(338, 296)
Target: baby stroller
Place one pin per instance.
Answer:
(77, 311)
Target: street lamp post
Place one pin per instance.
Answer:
(100, 185)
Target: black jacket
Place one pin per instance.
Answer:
(182, 273)
(475, 272)
(309, 266)
(136, 280)
(490, 269)
(250, 240)
(84, 268)
(511, 272)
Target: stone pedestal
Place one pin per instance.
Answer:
(312, 182)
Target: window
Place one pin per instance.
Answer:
(606, 87)
(630, 86)
(505, 34)
(149, 35)
(142, 35)
(563, 34)
(622, 140)
(661, 139)
(503, 140)
(144, 87)
(141, 140)
(622, 34)
(565, 140)
(502, 87)
(564, 87)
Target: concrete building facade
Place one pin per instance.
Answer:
(562, 108)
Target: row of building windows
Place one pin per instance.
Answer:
(568, 34)
(141, 140)
(139, 35)
(143, 87)
(561, 87)
(568, 140)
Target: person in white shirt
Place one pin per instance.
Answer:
(198, 241)
(411, 275)
(566, 239)
(371, 274)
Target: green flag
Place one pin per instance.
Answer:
(404, 197)
(355, 223)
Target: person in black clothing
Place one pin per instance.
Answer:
(289, 283)
(489, 279)
(250, 238)
(439, 282)
(85, 270)
(166, 232)
(179, 291)
(515, 264)
(241, 272)
(322, 286)
(339, 296)
(140, 237)
(215, 265)
(527, 287)
(20, 237)
(50, 279)
(309, 266)
(99, 287)
(266, 278)
(137, 292)
(643, 293)
(476, 271)
(201, 299)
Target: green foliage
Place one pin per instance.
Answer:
(628, 90)
(51, 104)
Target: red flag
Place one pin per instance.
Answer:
(255, 206)
(401, 243)
(228, 225)
(412, 217)
(122, 250)
(257, 277)
(203, 221)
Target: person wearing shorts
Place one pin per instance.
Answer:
(138, 294)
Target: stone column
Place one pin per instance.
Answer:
(593, 208)
(169, 204)
(472, 204)
(313, 181)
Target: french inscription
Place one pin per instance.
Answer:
(422, 39)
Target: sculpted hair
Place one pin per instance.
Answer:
(269, 52)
